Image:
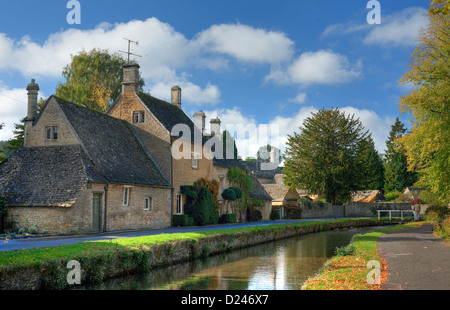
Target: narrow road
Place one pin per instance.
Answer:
(417, 260)
(20, 244)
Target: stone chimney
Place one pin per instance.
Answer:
(131, 78)
(33, 90)
(274, 155)
(199, 121)
(215, 126)
(176, 96)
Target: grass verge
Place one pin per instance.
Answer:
(349, 272)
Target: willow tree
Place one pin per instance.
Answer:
(323, 158)
(427, 146)
(93, 79)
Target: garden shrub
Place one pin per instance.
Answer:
(237, 191)
(392, 196)
(253, 215)
(33, 230)
(182, 220)
(275, 214)
(228, 218)
(201, 208)
(229, 194)
(292, 211)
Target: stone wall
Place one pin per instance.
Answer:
(133, 216)
(369, 209)
(311, 210)
(354, 209)
(51, 116)
(78, 218)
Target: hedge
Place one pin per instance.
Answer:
(182, 220)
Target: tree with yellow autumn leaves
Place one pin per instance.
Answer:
(428, 145)
(93, 79)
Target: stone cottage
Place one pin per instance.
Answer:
(82, 171)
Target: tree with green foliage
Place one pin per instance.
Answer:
(427, 147)
(322, 158)
(229, 146)
(396, 175)
(371, 165)
(200, 205)
(93, 79)
(244, 183)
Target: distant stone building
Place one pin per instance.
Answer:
(412, 193)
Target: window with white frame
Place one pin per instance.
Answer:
(51, 133)
(148, 203)
(194, 160)
(138, 117)
(179, 204)
(126, 196)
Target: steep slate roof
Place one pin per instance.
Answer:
(43, 176)
(170, 115)
(260, 173)
(53, 175)
(112, 147)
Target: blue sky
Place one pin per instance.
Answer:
(248, 62)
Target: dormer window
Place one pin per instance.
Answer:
(51, 133)
(138, 117)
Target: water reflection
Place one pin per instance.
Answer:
(280, 265)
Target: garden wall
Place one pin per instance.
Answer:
(313, 210)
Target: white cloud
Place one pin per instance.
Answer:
(278, 129)
(321, 67)
(396, 29)
(189, 92)
(13, 108)
(247, 43)
(166, 52)
(300, 98)
(399, 29)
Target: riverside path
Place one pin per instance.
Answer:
(417, 260)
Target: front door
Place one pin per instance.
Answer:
(96, 218)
